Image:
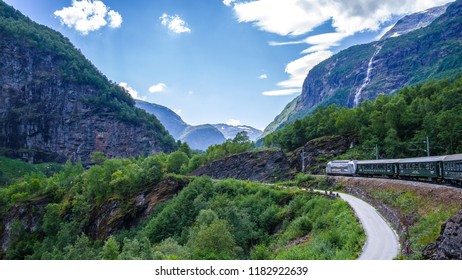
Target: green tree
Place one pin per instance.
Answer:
(213, 242)
(98, 158)
(111, 249)
(175, 161)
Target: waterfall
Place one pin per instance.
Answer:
(368, 77)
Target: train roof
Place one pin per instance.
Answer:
(378, 161)
(421, 159)
(453, 157)
(340, 161)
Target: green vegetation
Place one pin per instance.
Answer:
(226, 219)
(105, 97)
(396, 123)
(14, 170)
(422, 212)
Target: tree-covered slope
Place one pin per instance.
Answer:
(132, 209)
(431, 52)
(55, 105)
(398, 124)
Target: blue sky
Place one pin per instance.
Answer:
(216, 61)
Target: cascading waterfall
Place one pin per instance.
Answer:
(368, 76)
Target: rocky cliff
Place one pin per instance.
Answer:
(56, 106)
(359, 73)
(318, 152)
(448, 245)
(105, 219)
(263, 166)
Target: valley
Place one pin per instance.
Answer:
(87, 171)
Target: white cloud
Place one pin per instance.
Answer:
(384, 31)
(298, 17)
(130, 90)
(281, 92)
(298, 69)
(263, 76)
(87, 15)
(228, 2)
(115, 19)
(174, 23)
(178, 111)
(233, 122)
(157, 88)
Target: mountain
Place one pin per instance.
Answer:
(172, 122)
(415, 21)
(198, 137)
(363, 72)
(202, 136)
(56, 106)
(230, 131)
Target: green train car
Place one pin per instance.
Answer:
(427, 167)
(446, 168)
(452, 169)
(381, 167)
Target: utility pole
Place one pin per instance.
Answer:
(428, 147)
(303, 160)
(376, 151)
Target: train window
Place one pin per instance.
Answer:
(427, 166)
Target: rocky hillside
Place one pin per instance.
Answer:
(415, 21)
(318, 152)
(112, 215)
(363, 72)
(448, 245)
(56, 106)
(263, 166)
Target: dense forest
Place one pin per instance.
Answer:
(398, 124)
(207, 219)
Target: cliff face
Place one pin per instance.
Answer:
(105, 219)
(263, 166)
(448, 245)
(318, 152)
(359, 73)
(55, 105)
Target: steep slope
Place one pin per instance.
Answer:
(169, 119)
(202, 136)
(230, 131)
(363, 72)
(415, 21)
(56, 106)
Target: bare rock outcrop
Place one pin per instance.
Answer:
(448, 245)
(264, 166)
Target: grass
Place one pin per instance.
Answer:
(12, 170)
(424, 215)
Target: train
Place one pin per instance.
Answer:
(442, 169)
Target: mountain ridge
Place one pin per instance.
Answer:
(57, 106)
(430, 52)
(197, 135)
